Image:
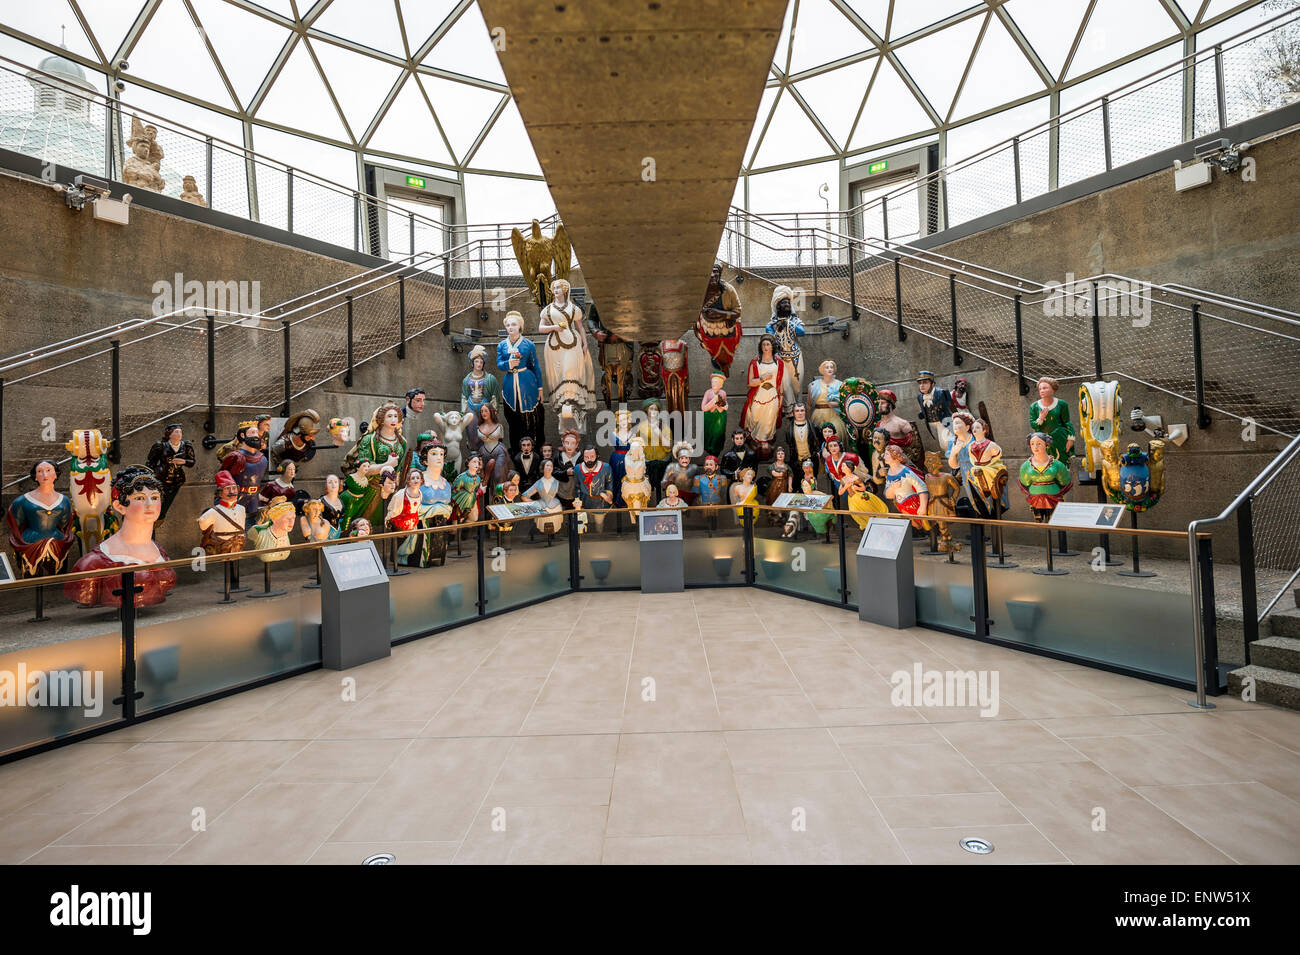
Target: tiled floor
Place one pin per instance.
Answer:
(724, 726)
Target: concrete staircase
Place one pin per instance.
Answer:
(1275, 661)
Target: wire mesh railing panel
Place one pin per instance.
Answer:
(1035, 164)
(41, 412)
(1081, 149)
(229, 192)
(1147, 120)
(1242, 357)
(1260, 74)
(323, 213)
(1275, 519)
(977, 190)
(52, 123)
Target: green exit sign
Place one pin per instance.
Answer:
(415, 181)
(876, 167)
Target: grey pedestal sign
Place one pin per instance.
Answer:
(886, 589)
(663, 568)
(353, 605)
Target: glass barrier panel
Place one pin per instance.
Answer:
(1097, 616)
(945, 594)
(526, 560)
(713, 548)
(609, 554)
(806, 563)
(221, 646)
(426, 598)
(58, 675)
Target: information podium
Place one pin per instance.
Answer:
(353, 605)
(663, 569)
(886, 585)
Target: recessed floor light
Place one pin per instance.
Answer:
(381, 858)
(981, 847)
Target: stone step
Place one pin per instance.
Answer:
(1277, 653)
(1279, 687)
(1284, 623)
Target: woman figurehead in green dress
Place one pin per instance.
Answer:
(1050, 415)
(383, 448)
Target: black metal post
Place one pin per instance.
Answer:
(412, 215)
(952, 301)
(1015, 157)
(813, 243)
(401, 317)
(574, 569)
(115, 449)
(482, 571)
(1202, 416)
(898, 297)
(288, 372)
(1096, 334)
(482, 282)
(747, 519)
(853, 287)
(1220, 86)
(979, 581)
(884, 217)
(1000, 541)
(1137, 570)
(210, 425)
(1209, 617)
(1246, 561)
(347, 378)
(126, 614)
(356, 222)
(1051, 570)
(1107, 560)
(844, 567)
(1020, 350)
(226, 566)
(1105, 129)
(290, 197)
(446, 294)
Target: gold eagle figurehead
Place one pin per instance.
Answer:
(542, 259)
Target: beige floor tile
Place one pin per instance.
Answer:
(430, 793)
(886, 735)
(1270, 722)
(740, 711)
(1075, 727)
(348, 761)
(166, 809)
(405, 853)
(535, 835)
(593, 717)
(1007, 741)
(956, 809)
(560, 757)
(115, 778)
(275, 824)
(784, 751)
(868, 715)
(1249, 822)
(1095, 819)
(551, 791)
(668, 784)
(23, 834)
(677, 850)
(1155, 761)
(102, 855)
(1012, 845)
(915, 769)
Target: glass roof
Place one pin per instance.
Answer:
(418, 81)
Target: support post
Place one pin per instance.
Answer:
(1220, 87)
(446, 293)
(288, 371)
(1198, 363)
(979, 581)
(747, 518)
(412, 230)
(210, 425)
(347, 377)
(570, 519)
(481, 533)
(126, 592)
(401, 317)
(853, 287)
(115, 449)
(1105, 130)
(356, 222)
(898, 297)
(1246, 561)
(1020, 350)
(844, 567)
(1137, 570)
(952, 301)
(289, 177)
(208, 163)
(1209, 619)
(1015, 158)
(1096, 335)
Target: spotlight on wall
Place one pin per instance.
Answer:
(739, 279)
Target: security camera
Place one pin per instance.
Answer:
(123, 65)
(96, 188)
(119, 85)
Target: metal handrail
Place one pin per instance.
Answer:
(1197, 528)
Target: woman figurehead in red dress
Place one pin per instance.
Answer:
(137, 499)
